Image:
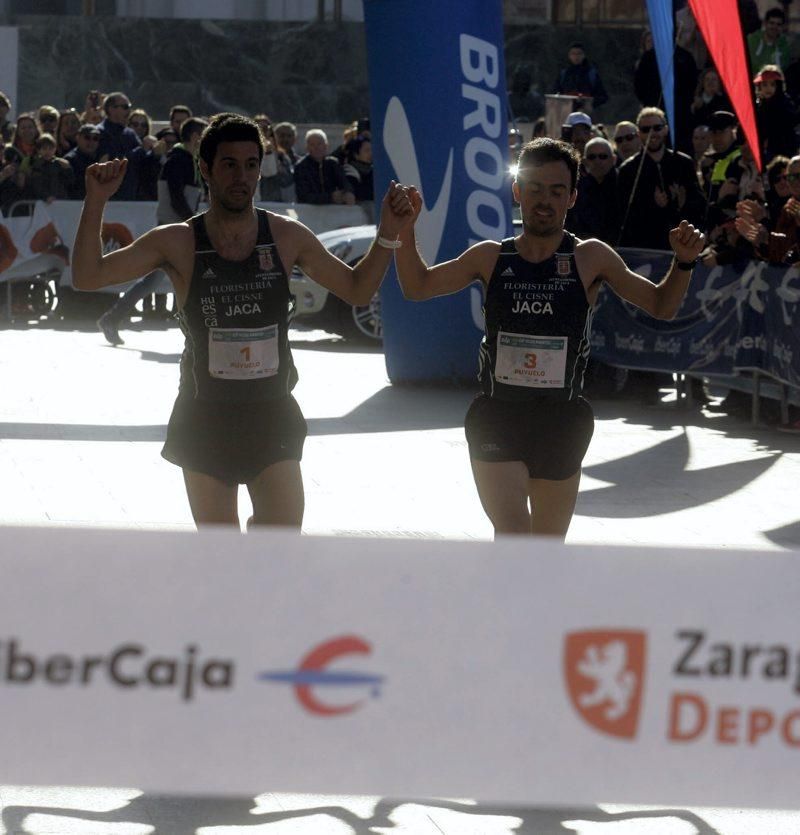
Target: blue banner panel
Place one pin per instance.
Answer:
(438, 112)
(732, 319)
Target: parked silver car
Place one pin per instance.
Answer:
(353, 321)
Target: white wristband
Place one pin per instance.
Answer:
(387, 244)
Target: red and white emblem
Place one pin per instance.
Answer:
(562, 264)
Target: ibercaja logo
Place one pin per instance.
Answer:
(604, 672)
(318, 672)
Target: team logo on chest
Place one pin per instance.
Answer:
(265, 260)
(563, 265)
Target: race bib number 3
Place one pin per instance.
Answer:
(533, 361)
(243, 353)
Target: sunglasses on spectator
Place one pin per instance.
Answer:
(49, 119)
(648, 128)
(598, 156)
(137, 124)
(793, 178)
(625, 137)
(90, 138)
(123, 106)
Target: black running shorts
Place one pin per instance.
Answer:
(234, 442)
(549, 437)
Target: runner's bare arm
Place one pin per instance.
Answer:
(355, 285)
(92, 270)
(418, 281)
(661, 300)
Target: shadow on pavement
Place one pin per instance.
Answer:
(659, 475)
(80, 432)
(172, 815)
(788, 536)
(400, 409)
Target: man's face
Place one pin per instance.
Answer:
(581, 134)
(722, 139)
(780, 184)
(178, 118)
(87, 143)
(773, 26)
(598, 158)
(117, 111)
(793, 178)
(627, 140)
(544, 193)
(317, 148)
(233, 177)
(701, 139)
(652, 133)
(286, 138)
(576, 55)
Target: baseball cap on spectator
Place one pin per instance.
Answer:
(578, 118)
(721, 119)
(770, 72)
(165, 133)
(88, 130)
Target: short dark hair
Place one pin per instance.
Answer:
(192, 126)
(5, 100)
(775, 11)
(229, 127)
(179, 108)
(544, 149)
(111, 99)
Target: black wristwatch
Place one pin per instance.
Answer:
(686, 265)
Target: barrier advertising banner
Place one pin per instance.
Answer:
(517, 671)
(438, 111)
(734, 318)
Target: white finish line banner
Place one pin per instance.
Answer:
(509, 672)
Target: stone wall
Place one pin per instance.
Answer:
(306, 72)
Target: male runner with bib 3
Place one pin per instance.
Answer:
(530, 428)
(235, 420)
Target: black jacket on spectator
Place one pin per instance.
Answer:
(79, 163)
(360, 176)
(50, 178)
(703, 113)
(316, 181)
(648, 224)
(178, 173)
(583, 79)
(148, 168)
(118, 142)
(596, 210)
(776, 119)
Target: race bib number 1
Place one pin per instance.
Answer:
(243, 353)
(533, 361)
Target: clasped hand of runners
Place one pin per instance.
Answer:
(104, 178)
(397, 210)
(686, 241)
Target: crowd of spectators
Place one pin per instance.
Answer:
(46, 154)
(642, 175)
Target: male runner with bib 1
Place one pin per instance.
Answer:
(530, 428)
(235, 420)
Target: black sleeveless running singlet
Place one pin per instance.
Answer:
(538, 321)
(236, 323)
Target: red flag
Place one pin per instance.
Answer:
(722, 31)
